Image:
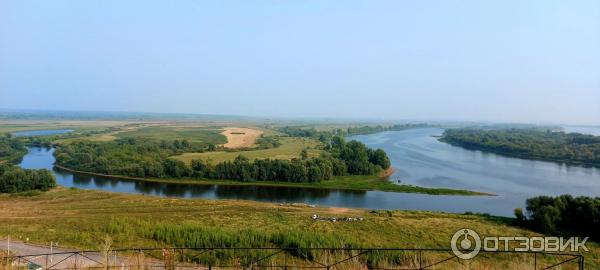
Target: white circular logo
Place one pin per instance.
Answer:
(469, 244)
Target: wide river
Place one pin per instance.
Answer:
(419, 159)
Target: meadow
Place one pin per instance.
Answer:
(290, 148)
(81, 219)
(8, 126)
(198, 135)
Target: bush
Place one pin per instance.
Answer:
(564, 215)
(14, 179)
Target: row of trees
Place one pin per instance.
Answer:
(563, 216)
(356, 130)
(141, 158)
(15, 179)
(571, 148)
(296, 170)
(379, 128)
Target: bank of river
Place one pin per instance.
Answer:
(417, 156)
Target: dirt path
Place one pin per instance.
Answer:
(240, 137)
(60, 259)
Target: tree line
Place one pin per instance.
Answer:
(564, 215)
(15, 179)
(144, 158)
(573, 148)
(355, 130)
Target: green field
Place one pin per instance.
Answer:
(290, 148)
(78, 126)
(81, 219)
(199, 135)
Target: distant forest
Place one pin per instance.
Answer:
(571, 148)
(326, 136)
(147, 158)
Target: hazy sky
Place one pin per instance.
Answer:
(518, 61)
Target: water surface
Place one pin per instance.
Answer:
(418, 158)
(590, 130)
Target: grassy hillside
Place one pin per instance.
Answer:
(81, 219)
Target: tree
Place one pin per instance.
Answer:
(304, 154)
(15, 179)
(380, 158)
(520, 217)
(211, 147)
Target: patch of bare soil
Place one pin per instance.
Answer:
(240, 137)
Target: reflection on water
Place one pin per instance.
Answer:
(261, 193)
(418, 158)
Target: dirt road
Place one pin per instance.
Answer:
(58, 258)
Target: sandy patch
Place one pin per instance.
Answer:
(338, 210)
(240, 137)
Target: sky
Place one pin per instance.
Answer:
(502, 61)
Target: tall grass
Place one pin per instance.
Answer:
(297, 244)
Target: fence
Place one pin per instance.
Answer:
(289, 258)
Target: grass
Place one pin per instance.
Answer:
(290, 148)
(79, 126)
(81, 219)
(192, 134)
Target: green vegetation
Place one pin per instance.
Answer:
(343, 158)
(81, 219)
(198, 136)
(14, 179)
(571, 148)
(145, 157)
(348, 182)
(129, 157)
(563, 215)
(12, 149)
(264, 143)
(374, 129)
(353, 130)
(296, 162)
(288, 149)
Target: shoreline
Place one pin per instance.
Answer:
(378, 182)
(519, 156)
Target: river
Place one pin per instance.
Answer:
(419, 159)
